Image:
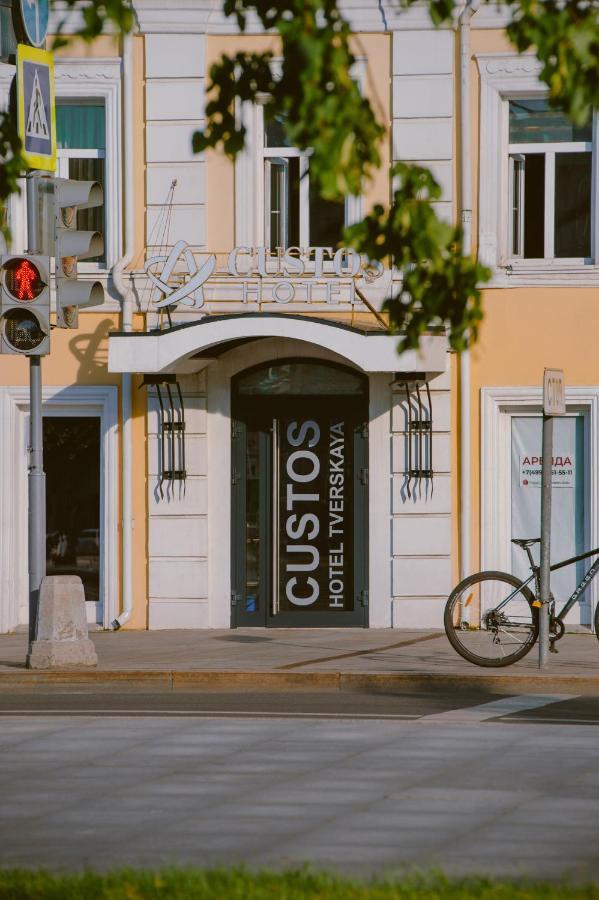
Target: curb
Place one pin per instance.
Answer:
(181, 680)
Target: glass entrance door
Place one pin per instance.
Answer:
(299, 507)
(73, 531)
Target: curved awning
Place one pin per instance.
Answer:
(191, 347)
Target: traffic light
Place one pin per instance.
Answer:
(68, 244)
(25, 305)
(71, 245)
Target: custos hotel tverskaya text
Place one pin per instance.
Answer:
(259, 455)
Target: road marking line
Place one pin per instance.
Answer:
(503, 707)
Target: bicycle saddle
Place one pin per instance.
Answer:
(525, 542)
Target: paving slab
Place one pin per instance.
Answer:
(321, 659)
(478, 820)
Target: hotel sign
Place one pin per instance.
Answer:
(315, 515)
(255, 275)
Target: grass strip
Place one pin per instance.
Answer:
(239, 884)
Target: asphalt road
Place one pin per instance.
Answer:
(405, 704)
(366, 784)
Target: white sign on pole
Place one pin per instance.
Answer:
(554, 393)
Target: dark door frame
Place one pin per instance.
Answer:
(262, 409)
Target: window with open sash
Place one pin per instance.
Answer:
(81, 154)
(295, 214)
(550, 184)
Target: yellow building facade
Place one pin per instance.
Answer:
(255, 452)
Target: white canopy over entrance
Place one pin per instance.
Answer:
(187, 348)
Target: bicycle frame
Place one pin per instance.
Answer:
(578, 590)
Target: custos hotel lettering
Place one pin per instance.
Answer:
(231, 438)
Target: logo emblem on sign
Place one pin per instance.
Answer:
(189, 291)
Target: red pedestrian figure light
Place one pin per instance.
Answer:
(23, 280)
(25, 276)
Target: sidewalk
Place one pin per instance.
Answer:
(307, 659)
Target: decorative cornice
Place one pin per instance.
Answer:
(206, 17)
(500, 65)
(72, 69)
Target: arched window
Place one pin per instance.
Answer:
(300, 378)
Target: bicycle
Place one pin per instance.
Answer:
(492, 618)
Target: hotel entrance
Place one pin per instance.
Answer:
(300, 496)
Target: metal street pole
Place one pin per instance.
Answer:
(36, 481)
(545, 585)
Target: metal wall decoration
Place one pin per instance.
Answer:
(171, 462)
(419, 430)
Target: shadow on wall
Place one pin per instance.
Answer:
(91, 351)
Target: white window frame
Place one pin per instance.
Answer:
(14, 414)
(98, 79)
(251, 183)
(506, 76)
(548, 149)
(498, 407)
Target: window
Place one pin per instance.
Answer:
(81, 141)
(539, 180)
(295, 215)
(511, 437)
(550, 175)
(88, 113)
(276, 203)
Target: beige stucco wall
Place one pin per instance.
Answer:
(79, 357)
(220, 175)
(104, 46)
(525, 329)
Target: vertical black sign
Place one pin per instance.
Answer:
(315, 513)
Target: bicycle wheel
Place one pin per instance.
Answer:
(490, 619)
(597, 621)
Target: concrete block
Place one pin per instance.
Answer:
(421, 576)
(191, 183)
(423, 52)
(441, 410)
(423, 497)
(170, 142)
(180, 498)
(418, 612)
(165, 613)
(178, 536)
(422, 139)
(421, 535)
(195, 455)
(441, 452)
(422, 96)
(175, 56)
(178, 579)
(188, 223)
(61, 639)
(195, 412)
(174, 100)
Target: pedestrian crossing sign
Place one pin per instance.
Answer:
(36, 112)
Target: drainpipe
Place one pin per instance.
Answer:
(468, 11)
(124, 288)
